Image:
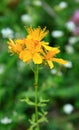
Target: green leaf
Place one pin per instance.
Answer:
(28, 101)
(43, 100)
(41, 104)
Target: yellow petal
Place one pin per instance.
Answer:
(44, 43)
(12, 46)
(37, 59)
(61, 61)
(25, 56)
(51, 48)
(50, 64)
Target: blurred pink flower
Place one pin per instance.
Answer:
(75, 17)
(74, 23)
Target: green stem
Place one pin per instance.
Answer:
(36, 95)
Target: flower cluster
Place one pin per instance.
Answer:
(34, 48)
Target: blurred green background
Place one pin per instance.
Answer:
(61, 84)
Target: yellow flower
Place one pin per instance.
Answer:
(49, 58)
(37, 34)
(31, 52)
(15, 46)
(34, 48)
